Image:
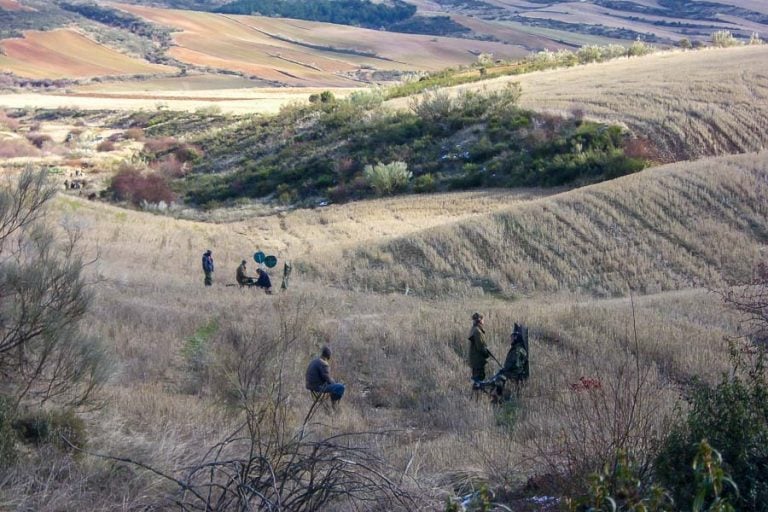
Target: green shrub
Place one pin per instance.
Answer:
(424, 184)
(733, 416)
(640, 48)
(387, 178)
(618, 487)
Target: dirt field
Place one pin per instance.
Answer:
(66, 53)
(308, 53)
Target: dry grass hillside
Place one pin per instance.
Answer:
(402, 357)
(690, 104)
(674, 227)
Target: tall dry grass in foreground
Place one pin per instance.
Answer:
(673, 227)
(184, 353)
(690, 104)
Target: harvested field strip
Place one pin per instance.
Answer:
(66, 53)
(679, 226)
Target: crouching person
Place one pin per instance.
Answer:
(318, 377)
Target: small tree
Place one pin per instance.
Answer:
(388, 178)
(43, 299)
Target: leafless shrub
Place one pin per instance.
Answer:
(105, 146)
(14, 148)
(43, 299)
(751, 300)
(604, 414)
(39, 139)
(135, 134)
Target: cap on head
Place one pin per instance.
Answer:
(477, 316)
(243, 262)
(325, 352)
(208, 251)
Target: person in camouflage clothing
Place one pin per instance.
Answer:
(478, 349)
(516, 363)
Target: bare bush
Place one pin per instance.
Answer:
(14, 148)
(105, 146)
(130, 184)
(39, 139)
(43, 299)
(9, 122)
(751, 300)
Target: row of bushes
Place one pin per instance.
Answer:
(545, 59)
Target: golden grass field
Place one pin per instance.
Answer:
(402, 357)
(667, 228)
(66, 53)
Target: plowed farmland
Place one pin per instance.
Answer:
(296, 52)
(66, 53)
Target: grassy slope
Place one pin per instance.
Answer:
(673, 227)
(691, 104)
(402, 357)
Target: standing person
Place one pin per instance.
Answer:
(478, 349)
(318, 377)
(263, 280)
(286, 275)
(208, 267)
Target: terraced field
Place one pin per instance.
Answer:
(297, 52)
(66, 53)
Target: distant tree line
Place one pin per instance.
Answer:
(399, 16)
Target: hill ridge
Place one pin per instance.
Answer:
(678, 226)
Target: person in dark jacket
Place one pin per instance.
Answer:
(516, 363)
(478, 349)
(318, 377)
(208, 267)
(242, 278)
(263, 280)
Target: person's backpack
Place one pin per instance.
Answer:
(520, 332)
